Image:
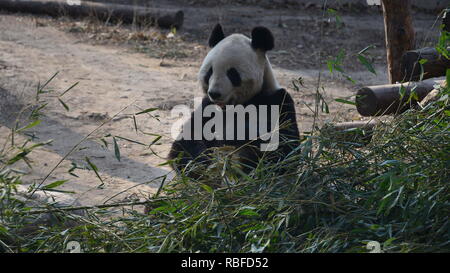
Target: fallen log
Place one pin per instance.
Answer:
(359, 132)
(106, 12)
(392, 98)
(435, 65)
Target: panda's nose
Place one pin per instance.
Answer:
(214, 95)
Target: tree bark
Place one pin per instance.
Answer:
(387, 99)
(106, 12)
(435, 66)
(399, 34)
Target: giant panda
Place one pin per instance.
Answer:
(236, 71)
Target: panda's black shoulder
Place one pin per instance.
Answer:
(281, 96)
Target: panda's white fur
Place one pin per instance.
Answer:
(236, 51)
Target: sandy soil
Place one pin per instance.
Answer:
(119, 67)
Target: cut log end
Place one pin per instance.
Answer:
(366, 102)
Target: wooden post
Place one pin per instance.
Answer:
(399, 34)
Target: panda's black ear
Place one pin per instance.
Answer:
(216, 36)
(262, 39)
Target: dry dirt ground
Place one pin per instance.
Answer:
(137, 68)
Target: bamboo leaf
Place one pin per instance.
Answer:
(116, 149)
(68, 89)
(366, 63)
(146, 111)
(155, 140)
(130, 140)
(94, 168)
(30, 125)
(54, 184)
(135, 123)
(345, 101)
(64, 104)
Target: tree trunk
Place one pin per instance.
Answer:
(435, 66)
(399, 34)
(105, 12)
(387, 99)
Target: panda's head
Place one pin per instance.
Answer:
(236, 68)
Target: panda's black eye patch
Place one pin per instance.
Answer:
(234, 76)
(208, 75)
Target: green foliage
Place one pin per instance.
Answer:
(444, 43)
(337, 63)
(334, 197)
(337, 17)
(363, 59)
(345, 101)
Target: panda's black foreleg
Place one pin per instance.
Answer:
(249, 157)
(184, 152)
